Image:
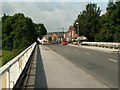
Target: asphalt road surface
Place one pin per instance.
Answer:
(102, 66)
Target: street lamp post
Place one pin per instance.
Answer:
(77, 28)
(78, 33)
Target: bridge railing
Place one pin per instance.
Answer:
(102, 44)
(10, 72)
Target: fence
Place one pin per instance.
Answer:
(10, 72)
(102, 44)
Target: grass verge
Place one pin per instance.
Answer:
(6, 56)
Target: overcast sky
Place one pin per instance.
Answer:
(54, 14)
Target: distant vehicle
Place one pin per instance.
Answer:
(54, 42)
(44, 42)
(64, 43)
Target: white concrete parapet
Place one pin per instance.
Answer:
(102, 44)
(10, 72)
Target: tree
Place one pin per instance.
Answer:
(116, 22)
(0, 43)
(110, 24)
(7, 32)
(40, 30)
(19, 31)
(23, 32)
(88, 21)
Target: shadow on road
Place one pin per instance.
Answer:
(33, 76)
(40, 78)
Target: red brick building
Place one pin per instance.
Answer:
(71, 33)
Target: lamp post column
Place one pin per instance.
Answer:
(77, 28)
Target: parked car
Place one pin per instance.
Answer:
(54, 42)
(64, 43)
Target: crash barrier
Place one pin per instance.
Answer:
(102, 44)
(10, 72)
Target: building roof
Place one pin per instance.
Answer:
(71, 28)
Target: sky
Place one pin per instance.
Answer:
(56, 15)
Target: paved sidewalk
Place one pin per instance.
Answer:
(35, 78)
(108, 50)
(60, 73)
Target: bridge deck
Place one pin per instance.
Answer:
(50, 70)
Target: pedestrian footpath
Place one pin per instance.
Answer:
(60, 73)
(35, 78)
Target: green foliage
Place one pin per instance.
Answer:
(0, 58)
(105, 28)
(110, 24)
(18, 32)
(0, 33)
(88, 21)
(40, 30)
(8, 55)
(74, 40)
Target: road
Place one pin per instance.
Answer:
(102, 66)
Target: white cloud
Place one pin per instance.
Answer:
(54, 1)
(0, 10)
(54, 15)
(102, 6)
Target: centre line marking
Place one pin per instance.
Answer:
(112, 60)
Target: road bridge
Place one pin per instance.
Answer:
(43, 66)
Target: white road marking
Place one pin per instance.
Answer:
(88, 53)
(112, 60)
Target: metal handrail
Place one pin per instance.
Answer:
(6, 72)
(11, 62)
